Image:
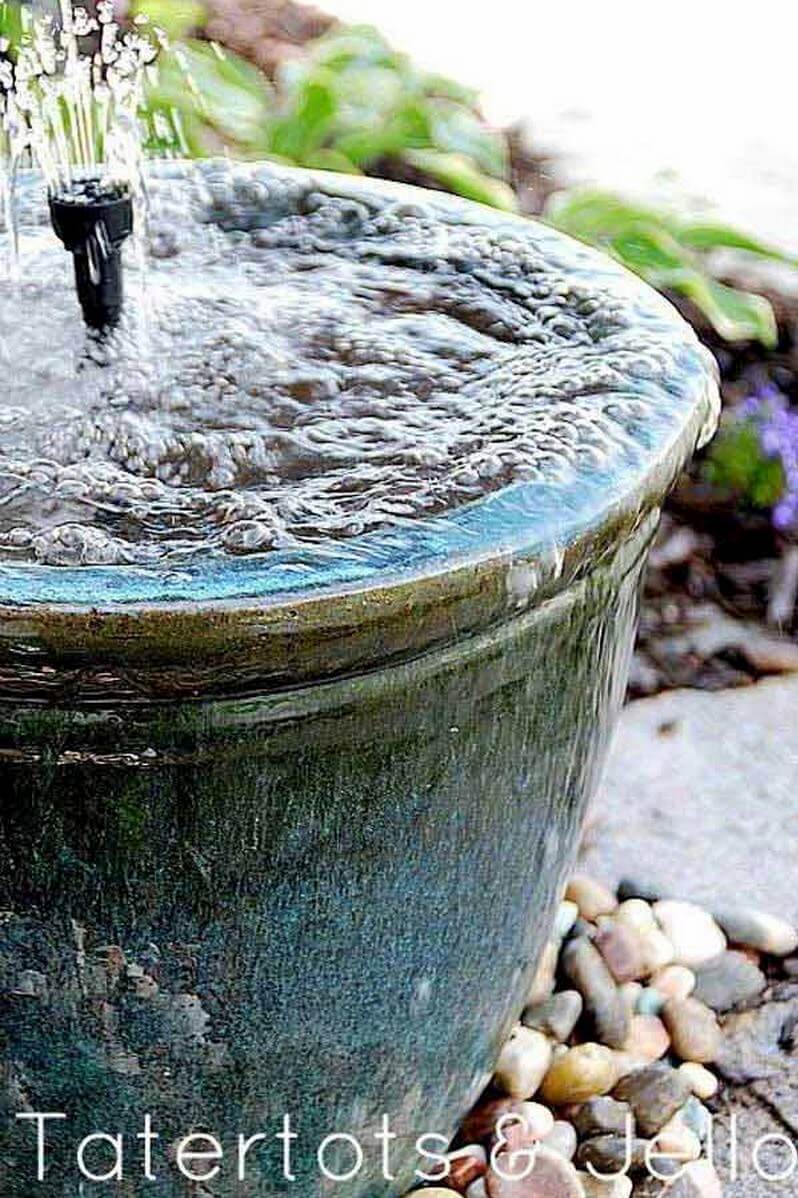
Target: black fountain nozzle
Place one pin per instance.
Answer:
(93, 220)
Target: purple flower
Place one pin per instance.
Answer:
(776, 425)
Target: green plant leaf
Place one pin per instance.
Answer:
(737, 464)
(657, 246)
(707, 235)
(302, 131)
(458, 174)
(177, 18)
(458, 129)
(230, 98)
(331, 160)
(735, 315)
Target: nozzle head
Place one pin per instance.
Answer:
(77, 211)
(93, 220)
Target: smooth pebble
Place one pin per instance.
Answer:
(765, 933)
(695, 936)
(591, 897)
(702, 1081)
(694, 1030)
(523, 1063)
(580, 1073)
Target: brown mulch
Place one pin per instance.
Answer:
(266, 32)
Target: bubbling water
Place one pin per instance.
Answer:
(318, 366)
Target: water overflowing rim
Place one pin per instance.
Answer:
(526, 519)
(290, 615)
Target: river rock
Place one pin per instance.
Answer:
(617, 1187)
(657, 950)
(543, 981)
(635, 914)
(613, 1154)
(557, 1017)
(655, 1094)
(648, 1038)
(697, 1117)
(650, 1001)
(622, 950)
(702, 1081)
(694, 934)
(730, 980)
(567, 915)
(537, 1119)
(562, 1139)
(603, 1117)
(465, 1166)
(578, 1074)
(677, 1141)
(591, 897)
(631, 992)
(585, 968)
(551, 1177)
(694, 1030)
(696, 1180)
(523, 1063)
(674, 981)
(765, 933)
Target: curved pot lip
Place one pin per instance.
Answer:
(491, 557)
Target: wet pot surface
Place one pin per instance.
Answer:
(282, 832)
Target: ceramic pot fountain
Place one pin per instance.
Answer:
(283, 822)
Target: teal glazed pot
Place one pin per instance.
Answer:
(282, 841)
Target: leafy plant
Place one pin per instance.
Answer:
(351, 104)
(673, 254)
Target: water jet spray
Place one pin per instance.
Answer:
(93, 220)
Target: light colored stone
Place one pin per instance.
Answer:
(702, 1081)
(567, 915)
(694, 1030)
(477, 1189)
(677, 1141)
(636, 914)
(538, 1119)
(657, 950)
(706, 811)
(699, 1179)
(648, 1038)
(626, 1063)
(631, 992)
(523, 1063)
(674, 981)
(765, 933)
(543, 982)
(551, 1177)
(693, 933)
(580, 1073)
(591, 897)
(562, 1139)
(617, 1187)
